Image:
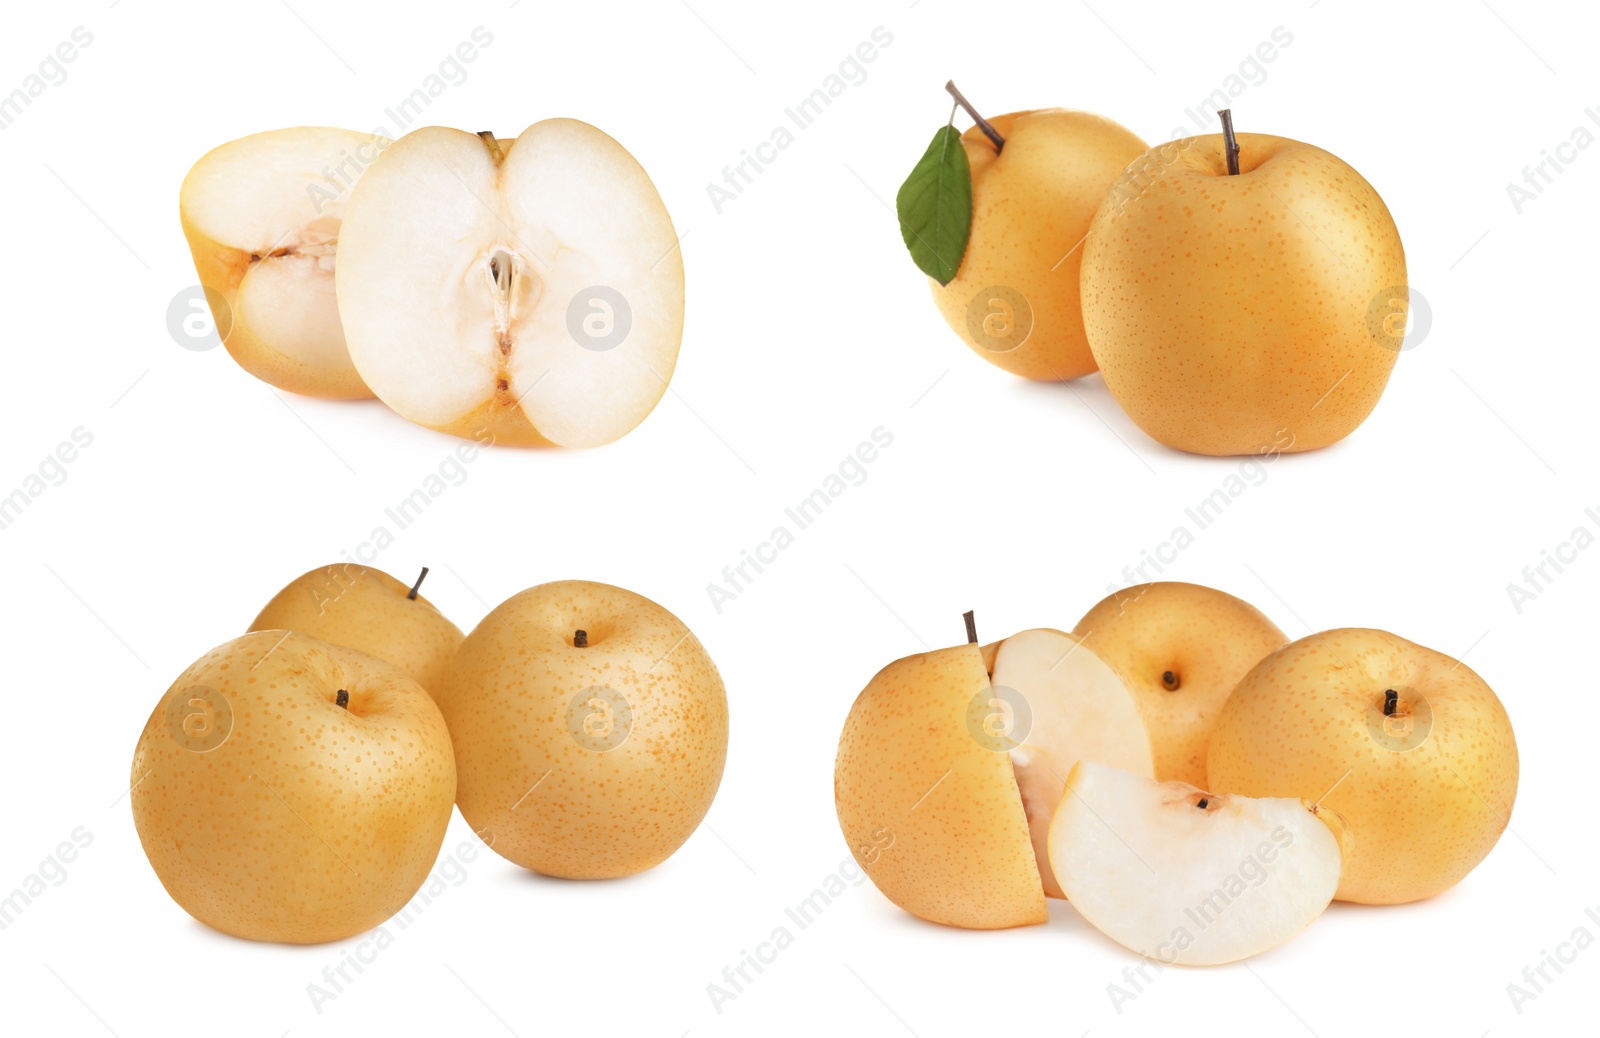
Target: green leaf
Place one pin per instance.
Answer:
(935, 207)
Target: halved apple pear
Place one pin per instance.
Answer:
(946, 778)
(263, 216)
(528, 291)
(1187, 877)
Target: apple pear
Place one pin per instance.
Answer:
(951, 764)
(931, 813)
(1015, 298)
(286, 789)
(367, 609)
(1411, 747)
(590, 730)
(528, 291)
(1180, 648)
(1256, 312)
(263, 216)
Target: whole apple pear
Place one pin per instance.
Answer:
(287, 789)
(1409, 746)
(590, 729)
(1257, 312)
(1014, 299)
(365, 608)
(1181, 648)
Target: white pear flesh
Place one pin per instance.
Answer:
(479, 284)
(263, 215)
(1080, 710)
(1186, 877)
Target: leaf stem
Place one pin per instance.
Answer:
(983, 124)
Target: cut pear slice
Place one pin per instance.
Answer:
(263, 215)
(525, 292)
(1080, 710)
(1183, 876)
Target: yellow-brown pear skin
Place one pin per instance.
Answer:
(1205, 639)
(1426, 791)
(1259, 312)
(933, 817)
(272, 813)
(1032, 203)
(592, 761)
(365, 608)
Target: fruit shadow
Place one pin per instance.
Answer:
(1063, 919)
(1066, 920)
(376, 414)
(1090, 392)
(221, 942)
(578, 887)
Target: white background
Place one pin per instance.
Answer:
(204, 491)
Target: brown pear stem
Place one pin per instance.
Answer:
(983, 124)
(1170, 680)
(1391, 700)
(420, 578)
(342, 699)
(972, 627)
(1230, 145)
(580, 639)
(493, 145)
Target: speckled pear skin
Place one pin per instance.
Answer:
(931, 815)
(553, 796)
(1031, 206)
(1301, 723)
(1205, 638)
(1234, 314)
(308, 822)
(367, 609)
